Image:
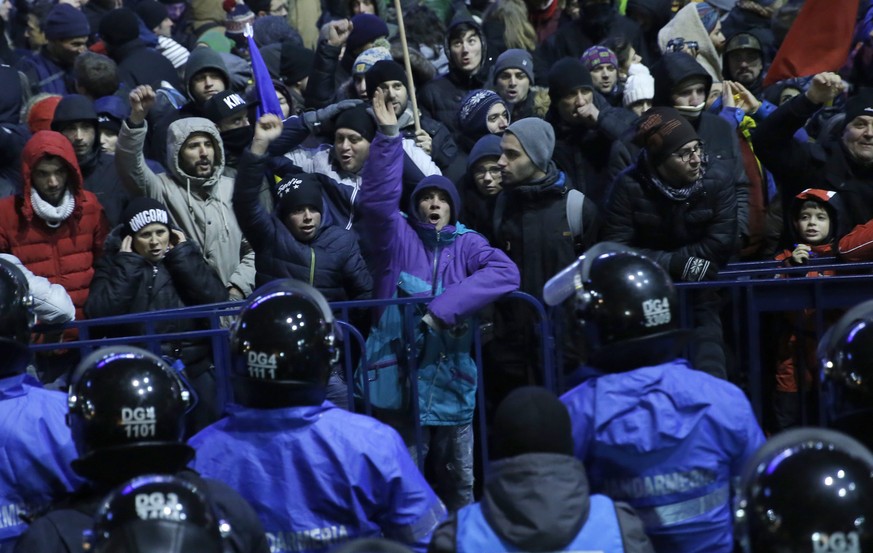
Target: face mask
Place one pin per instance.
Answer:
(236, 140)
(691, 112)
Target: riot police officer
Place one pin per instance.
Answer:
(807, 490)
(651, 430)
(156, 514)
(37, 448)
(127, 417)
(327, 475)
(846, 358)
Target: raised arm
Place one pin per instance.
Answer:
(256, 223)
(136, 176)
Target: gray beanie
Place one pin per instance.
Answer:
(537, 138)
(515, 58)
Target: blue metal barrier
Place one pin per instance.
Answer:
(753, 290)
(353, 344)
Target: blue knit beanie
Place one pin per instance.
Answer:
(473, 114)
(64, 21)
(487, 146)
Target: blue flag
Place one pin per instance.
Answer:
(264, 88)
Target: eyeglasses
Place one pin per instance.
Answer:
(686, 154)
(494, 171)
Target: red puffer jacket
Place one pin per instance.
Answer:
(64, 255)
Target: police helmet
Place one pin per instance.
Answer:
(16, 317)
(284, 348)
(127, 414)
(155, 514)
(807, 490)
(845, 356)
(626, 304)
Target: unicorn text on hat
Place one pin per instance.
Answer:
(147, 217)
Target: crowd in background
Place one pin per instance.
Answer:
(148, 163)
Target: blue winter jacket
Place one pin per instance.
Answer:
(319, 475)
(666, 439)
(36, 454)
(410, 258)
(331, 261)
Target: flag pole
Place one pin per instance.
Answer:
(410, 85)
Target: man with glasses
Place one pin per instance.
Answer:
(679, 210)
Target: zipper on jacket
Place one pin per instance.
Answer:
(436, 256)
(311, 266)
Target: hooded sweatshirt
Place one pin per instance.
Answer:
(64, 254)
(98, 168)
(441, 97)
(201, 206)
(687, 24)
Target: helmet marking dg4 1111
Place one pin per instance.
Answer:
(283, 343)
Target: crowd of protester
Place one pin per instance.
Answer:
(147, 163)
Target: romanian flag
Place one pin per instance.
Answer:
(269, 102)
(819, 40)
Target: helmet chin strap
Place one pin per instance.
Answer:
(691, 112)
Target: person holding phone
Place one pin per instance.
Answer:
(150, 265)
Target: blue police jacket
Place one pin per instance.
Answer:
(601, 531)
(318, 476)
(666, 439)
(36, 454)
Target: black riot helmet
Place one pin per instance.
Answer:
(127, 415)
(283, 345)
(16, 318)
(626, 303)
(155, 514)
(807, 490)
(845, 356)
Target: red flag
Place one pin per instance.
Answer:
(819, 40)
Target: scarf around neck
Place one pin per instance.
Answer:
(51, 214)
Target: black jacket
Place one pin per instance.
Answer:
(539, 502)
(532, 228)
(720, 138)
(101, 178)
(331, 261)
(128, 283)
(798, 166)
(583, 153)
(670, 231)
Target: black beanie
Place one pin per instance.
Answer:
(567, 75)
(72, 108)
(142, 212)
(662, 131)
(358, 120)
(382, 71)
(532, 420)
(119, 26)
(151, 12)
(295, 62)
(861, 104)
(298, 191)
